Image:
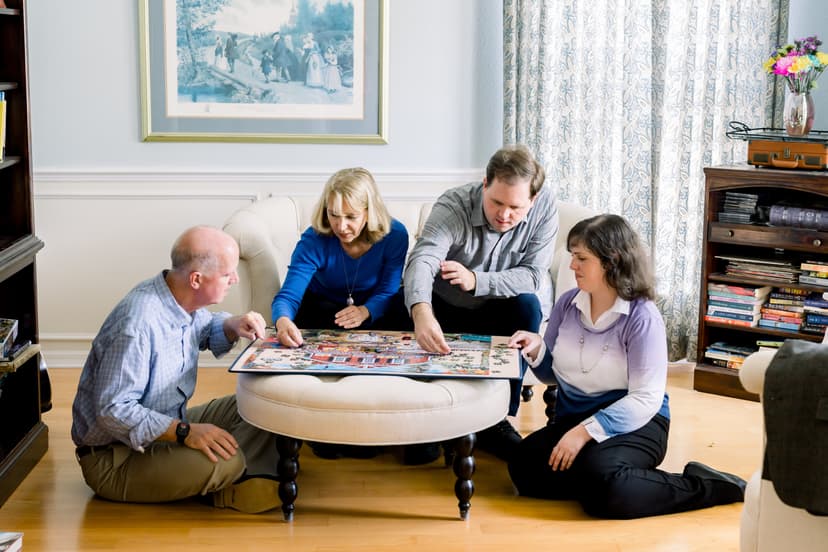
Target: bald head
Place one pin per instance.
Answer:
(202, 249)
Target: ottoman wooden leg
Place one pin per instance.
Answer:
(288, 448)
(464, 469)
(550, 399)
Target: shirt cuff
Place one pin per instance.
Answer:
(538, 359)
(482, 282)
(595, 430)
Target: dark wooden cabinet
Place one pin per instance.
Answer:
(805, 188)
(23, 435)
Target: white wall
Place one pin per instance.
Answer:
(108, 206)
(808, 18)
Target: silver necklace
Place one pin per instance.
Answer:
(350, 300)
(584, 369)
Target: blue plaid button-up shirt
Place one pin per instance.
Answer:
(141, 370)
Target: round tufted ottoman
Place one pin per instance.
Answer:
(371, 410)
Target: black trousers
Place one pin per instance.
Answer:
(501, 316)
(615, 479)
(318, 313)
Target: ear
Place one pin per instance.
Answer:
(195, 279)
(485, 181)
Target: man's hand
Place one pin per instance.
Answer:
(287, 332)
(211, 440)
(351, 317)
(568, 448)
(427, 330)
(250, 325)
(458, 275)
(530, 342)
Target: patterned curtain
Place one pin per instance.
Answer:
(625, 120)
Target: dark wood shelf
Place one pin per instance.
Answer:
(752, 240)
(24, 438)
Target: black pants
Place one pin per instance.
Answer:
(501, 316)
(614, 479)
(318, 313)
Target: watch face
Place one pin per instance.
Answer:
(181, 431)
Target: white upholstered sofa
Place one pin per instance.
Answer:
(768, 524)
(268, 230)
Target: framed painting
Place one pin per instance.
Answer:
(302, 71)
(340, 352)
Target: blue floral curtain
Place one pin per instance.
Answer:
(626, 102)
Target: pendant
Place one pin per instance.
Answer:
(349, 301)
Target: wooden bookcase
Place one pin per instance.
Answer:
(23, 435)
(805, 188)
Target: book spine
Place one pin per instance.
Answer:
(798, 217)
(741, 307)
(778, 325)
(731, 321)
(739, 290)
(816, 319)
(713, 311)
(724, 296)
(803, 279)
(733, 364)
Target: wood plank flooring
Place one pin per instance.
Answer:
(379, 504)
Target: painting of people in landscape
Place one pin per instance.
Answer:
(289, 66)
(380, 352)
(258, 58)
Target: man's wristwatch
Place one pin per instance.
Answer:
(181, 432)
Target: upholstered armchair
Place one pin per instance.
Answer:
(768, 524)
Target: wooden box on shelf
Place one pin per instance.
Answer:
(786, 244)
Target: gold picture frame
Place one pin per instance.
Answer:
(227, 78)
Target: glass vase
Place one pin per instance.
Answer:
(799, 113)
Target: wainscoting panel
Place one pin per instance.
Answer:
(106, 231)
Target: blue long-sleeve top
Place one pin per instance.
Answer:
(619, 372)
(320, 265)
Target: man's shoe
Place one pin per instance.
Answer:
(417, 455)
(727, 488)
(501, 440)
(251, 495)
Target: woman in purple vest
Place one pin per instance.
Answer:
(606, 348)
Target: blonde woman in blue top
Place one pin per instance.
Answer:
(346, 270)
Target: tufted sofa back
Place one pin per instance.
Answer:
(267, 231)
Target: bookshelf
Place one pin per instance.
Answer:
(786, 244)
(23, 435)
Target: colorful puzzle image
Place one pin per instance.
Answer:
(381, 352)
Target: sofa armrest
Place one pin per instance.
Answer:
(266, 232)
(752, 373)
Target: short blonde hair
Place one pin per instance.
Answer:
(357, 187)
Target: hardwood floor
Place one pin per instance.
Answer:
(381, 505)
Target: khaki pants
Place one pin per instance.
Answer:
(168, 471)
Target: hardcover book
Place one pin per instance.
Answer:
(341, 352)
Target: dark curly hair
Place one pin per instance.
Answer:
(626, 265)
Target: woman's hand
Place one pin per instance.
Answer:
(287, 332)
(529, 342)
(564, 453)
(352, 317)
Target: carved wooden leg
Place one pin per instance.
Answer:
(288, 448)
(464, 469)
(550, 398)
(526, 392)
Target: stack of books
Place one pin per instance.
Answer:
(739, 208)
(775, 270)
(736, 305)
(816, 313)
(784, 309)
(814, 273)
(728, 355)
